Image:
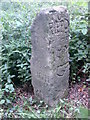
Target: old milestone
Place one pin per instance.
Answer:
(50, 57)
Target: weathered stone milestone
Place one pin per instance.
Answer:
(50, 57)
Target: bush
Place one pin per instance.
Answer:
(78, 45)
(16, 46)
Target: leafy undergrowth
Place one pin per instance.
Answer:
(16, 19)
(25, 105)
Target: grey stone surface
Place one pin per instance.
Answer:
(50, 57)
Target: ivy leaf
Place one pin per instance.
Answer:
(8, 101)
(84, 31)
(83, 113)
(2, 101)
(11, 87)
(9, 80)
(18, 23)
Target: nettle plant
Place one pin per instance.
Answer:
(16, 48)
(15, 65)
(78, 45)
(16, 62)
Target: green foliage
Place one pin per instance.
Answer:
(78, 45)
(69, 110)
(16, 62)
(15, 24)
(64, 109)
(83, 112)
(16, 47)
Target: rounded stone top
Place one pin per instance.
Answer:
(54, 9)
